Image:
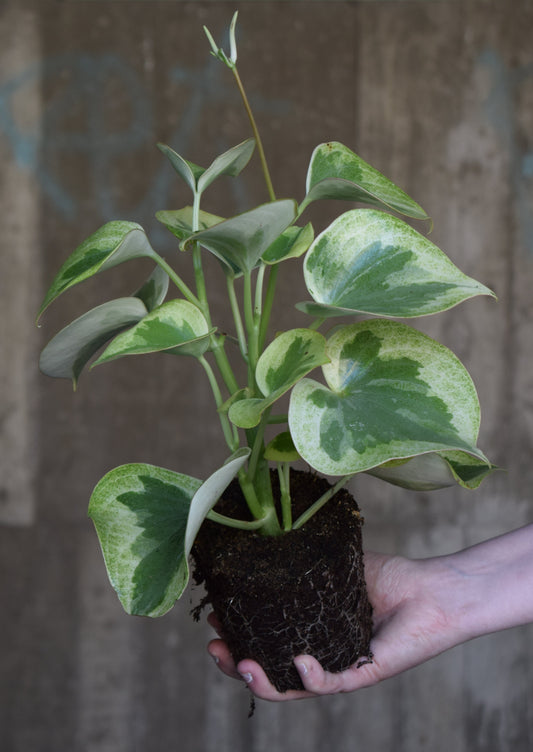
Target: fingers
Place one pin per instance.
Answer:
(320, 682)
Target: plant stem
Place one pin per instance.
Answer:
(257, 137)
(239, 524)
(180, 284)
(285, 494)
(230, 434)
(313, 509)
(224, 366)
(316, 324)
(252, 328)
(267, 306)
(243, 345)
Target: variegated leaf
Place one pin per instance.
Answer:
(391, 393)
(69, 351)
(336, 172)
(292, 243)
(368, 261)
(112, 244)
(434, 470)
(210, 492)
(140, 513)
(176, 326)
(287, 359)
(240, 242)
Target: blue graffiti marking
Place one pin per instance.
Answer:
(79, 82)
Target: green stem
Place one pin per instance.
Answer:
(257, 137)
(230, 434)
(258, 445)
(313, 509)
(273, 419)
(180, 284)
(252, 328)
(285, 494)
(316, 324)
(267, 306)
(224, 366)
(239, 524)
(243, 345)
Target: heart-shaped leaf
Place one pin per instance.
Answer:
(286, 360)
(392, 393)
(434, 470)
(180, 221)
(292, 243)
(368, 261)
(188, 171)
(112, 244)
(240, 242)
(69, 351)
(336, 172)
(210, 492)
(154, 290)
(177, 326)
(231, 163)
(140, 513)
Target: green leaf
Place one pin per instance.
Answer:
(231, 163)
(147, 519)
(180, 221)
(287, 359)
(282, 449)
(140, 513)
(391, 393)
(112, 244)
(246, 413)
(69, 351)
(368, 261)
(428, 472)
(336, 172)
(188, 171)
(210, 492)
(292, 243)
(177, 327)
(154, 290)
(240, 242)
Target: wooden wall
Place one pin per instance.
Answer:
(439, 96)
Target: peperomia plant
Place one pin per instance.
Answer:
(392, 402)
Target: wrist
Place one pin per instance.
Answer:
(489, 587)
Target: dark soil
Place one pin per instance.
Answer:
(299, 593)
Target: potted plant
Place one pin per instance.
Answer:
(279, 549)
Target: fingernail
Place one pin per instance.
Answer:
(248, 678)
(302, 667)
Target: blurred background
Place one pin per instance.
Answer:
(439, 97)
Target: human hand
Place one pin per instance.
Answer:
(413, 606)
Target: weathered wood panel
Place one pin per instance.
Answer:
(439, 95)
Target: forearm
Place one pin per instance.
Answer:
(494, 584)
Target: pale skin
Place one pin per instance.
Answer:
(422, 607)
